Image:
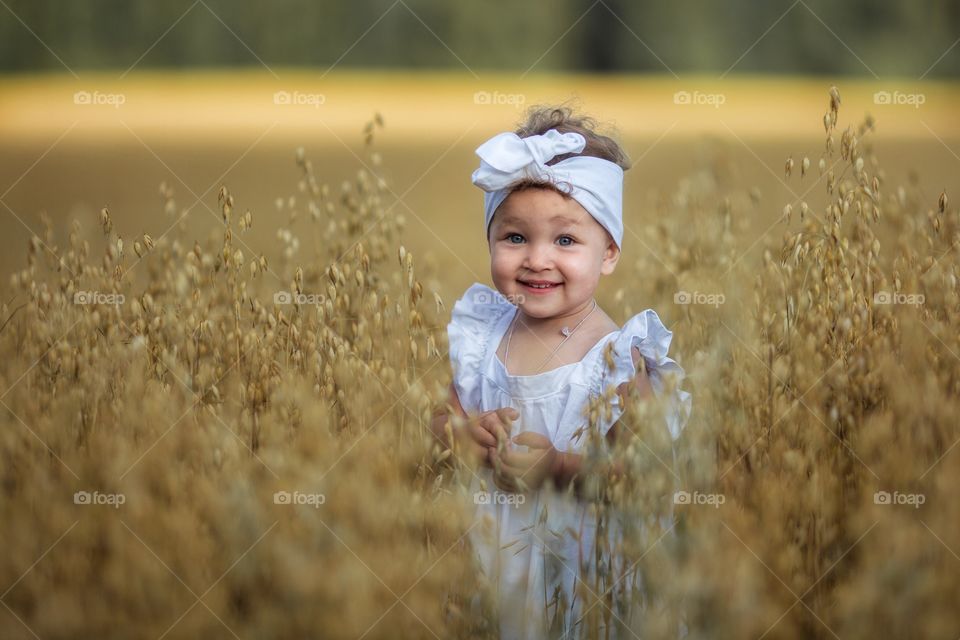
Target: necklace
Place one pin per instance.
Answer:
(565, 331)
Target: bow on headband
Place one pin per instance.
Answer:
(595, 183)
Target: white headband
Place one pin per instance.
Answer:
(597, 184)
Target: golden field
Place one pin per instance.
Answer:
(238, 369)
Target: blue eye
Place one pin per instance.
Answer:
(568, 238)
(514, 235)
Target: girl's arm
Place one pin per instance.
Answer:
(567, 466)
(640, 382)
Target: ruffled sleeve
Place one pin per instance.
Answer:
(472, 322)
(647, 333)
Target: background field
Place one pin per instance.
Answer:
(195, 131)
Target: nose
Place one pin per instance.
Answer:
(539, 257)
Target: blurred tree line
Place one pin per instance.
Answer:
(890, 37)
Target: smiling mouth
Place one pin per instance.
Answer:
(542, 286)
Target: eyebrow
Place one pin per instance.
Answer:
(561, 217)
(564, 218)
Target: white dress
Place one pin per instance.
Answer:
(543, 557)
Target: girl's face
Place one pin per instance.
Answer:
(539, 236)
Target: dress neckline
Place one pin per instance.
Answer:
(503, 367)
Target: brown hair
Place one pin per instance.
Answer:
(541, 118)
(563, 118)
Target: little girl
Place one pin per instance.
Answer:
(532, 351)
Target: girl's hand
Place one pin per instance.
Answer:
(516, 471)
(482, 434)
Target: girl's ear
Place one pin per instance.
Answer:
(610, 258)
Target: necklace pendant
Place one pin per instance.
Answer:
(565, 331)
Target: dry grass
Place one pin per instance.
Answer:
(201, 395)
